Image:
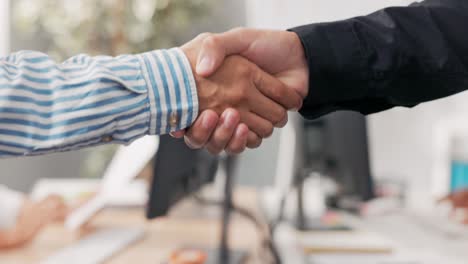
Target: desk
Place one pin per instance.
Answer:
(188, 224)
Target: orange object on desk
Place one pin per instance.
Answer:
(188, 256)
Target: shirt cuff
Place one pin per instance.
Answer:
(172, 90)
(10, 205)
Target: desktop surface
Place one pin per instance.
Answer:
(187, 225)
(409, 239)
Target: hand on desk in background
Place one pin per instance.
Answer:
(459, 201)
(32, 217)
(280, 53)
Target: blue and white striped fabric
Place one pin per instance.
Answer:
(85, 101)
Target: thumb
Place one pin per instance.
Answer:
(178, 134)
(217, 46)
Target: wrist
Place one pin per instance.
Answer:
(204, 92)
(172, 95)
(302, 66)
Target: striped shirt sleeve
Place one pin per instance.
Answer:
(86, 101)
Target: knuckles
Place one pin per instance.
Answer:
(211, 41)
(267, 131)
(278, 92)
(254, 143)
(204, 36)
(280, 116)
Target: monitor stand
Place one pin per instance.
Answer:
(303, 223)
(223, 255)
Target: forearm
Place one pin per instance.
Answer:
(6, 240)
(399, 56)
(86, 101)
(11, 238)
(10, 205)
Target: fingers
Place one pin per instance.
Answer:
(220, 134)
(238, 142)
(216, 47)
(277, 91)
(200, 132)
(258, 125)
(283, 122)
(224, 132)
(268, 109)
(253, 140)
(178, 134)
(54, 208)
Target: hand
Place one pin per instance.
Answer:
(458, 200)
(33, 216)
(260, 100)
(280, 53)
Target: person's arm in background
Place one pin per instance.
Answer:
(22, 219)
(459, 203)
(85, 101)
(399, 56)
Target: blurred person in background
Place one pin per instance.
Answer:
(21, 219)
(459, 202)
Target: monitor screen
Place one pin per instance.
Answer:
(339, 142)
(178, 171)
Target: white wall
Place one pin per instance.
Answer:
(400, 139)
(4, 27)
(283, 14)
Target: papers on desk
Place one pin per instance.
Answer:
(365, 259)
(359, 247)
(117, 186)
(419, 257)
(135, 193)
(126, 164)
(354, 242)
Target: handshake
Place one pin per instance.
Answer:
(246, 81)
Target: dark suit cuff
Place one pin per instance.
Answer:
(336, 64)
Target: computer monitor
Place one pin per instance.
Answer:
(339, 142)
(178, 171)
(347, 146)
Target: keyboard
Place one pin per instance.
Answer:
(431, 236)
(97, 247)
(419, 238)
(440, 225)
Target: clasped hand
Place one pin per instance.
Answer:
(247, 80)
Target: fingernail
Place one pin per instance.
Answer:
(204, 65)
(206, 122)
(189, 143)
(296, 109)
(242, 131)
(228, 120)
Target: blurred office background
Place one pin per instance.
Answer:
(66, 28)
(401, 141)
(410, 150)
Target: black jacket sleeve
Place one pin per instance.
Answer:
(399, 56)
